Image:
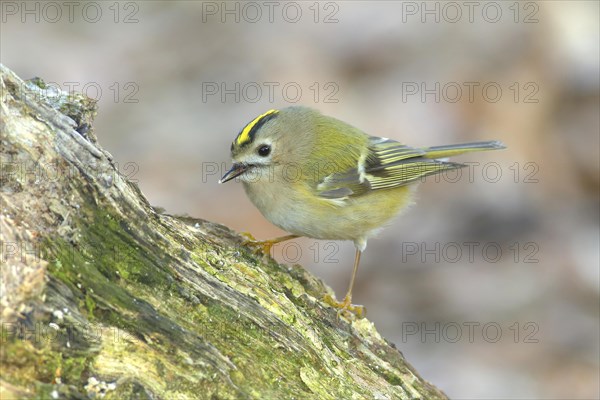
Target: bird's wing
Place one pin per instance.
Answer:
(385, 164)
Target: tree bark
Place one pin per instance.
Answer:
(103, 295)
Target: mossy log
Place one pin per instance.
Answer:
(103, 295)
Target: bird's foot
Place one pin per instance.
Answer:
(345, 307)
(258, 246)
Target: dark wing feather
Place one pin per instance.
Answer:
(391, 164)
(386, 164)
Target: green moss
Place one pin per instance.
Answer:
(36, 362)
(90, 306)
(111, 255)
(39, 82)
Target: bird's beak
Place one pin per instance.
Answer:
(235, 171)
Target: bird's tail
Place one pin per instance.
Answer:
(437, 152)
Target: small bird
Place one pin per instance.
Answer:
(316, 176)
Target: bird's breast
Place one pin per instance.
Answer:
(296, 209)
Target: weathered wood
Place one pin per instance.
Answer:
(102, 294)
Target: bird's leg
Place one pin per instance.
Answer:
(263, 246)
(346, 305)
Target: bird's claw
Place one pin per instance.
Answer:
(257, 246)
(345, 307)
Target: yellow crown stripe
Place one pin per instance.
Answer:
(244, 135)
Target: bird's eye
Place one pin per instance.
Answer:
(264, 150)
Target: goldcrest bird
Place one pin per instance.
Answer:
(316, 176)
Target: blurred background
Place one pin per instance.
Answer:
(489, 284)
